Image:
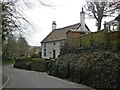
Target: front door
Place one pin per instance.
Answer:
(53, 54)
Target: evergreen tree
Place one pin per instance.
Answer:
(22, 47)
(9, 49)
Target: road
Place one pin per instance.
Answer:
(0, 76)
(30, 79)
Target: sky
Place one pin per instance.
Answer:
(64, 12)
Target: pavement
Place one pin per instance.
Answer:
(31, 79)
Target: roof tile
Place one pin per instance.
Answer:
(59, 34)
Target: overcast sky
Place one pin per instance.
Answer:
(65, 12)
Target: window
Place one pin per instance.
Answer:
(44, 45)
(54, 43)
(44, 52)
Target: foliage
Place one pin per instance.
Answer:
(11, 21)
(36, 55)
(7, 23)
(98, 69)
(22, 47)
(14, 22)
(9, 49)
(7, 62)
(86, 40)
(13, 17)
(76, 42)
(23, 63)
(63, 49)
(93, 61)
(39, 65)
(14, 48)
(37, 59)
(99, 37)
(100, 40)
(28, 63)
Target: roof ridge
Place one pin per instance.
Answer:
(60, 33)
(67, 26)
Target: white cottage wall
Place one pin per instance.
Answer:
(50, 46)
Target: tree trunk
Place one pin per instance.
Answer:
(99, 24)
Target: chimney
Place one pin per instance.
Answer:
(82, 19)
(54, 25)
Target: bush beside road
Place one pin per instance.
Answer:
(35, 64)
(98, 69)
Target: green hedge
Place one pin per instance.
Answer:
(111, 39)
(94, 69)
(23, 63)
(36, 64)
(39, 65)
(76, 42)
(86, 40)
(99, 37)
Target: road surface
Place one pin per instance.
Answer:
(30, 79)
(0, 76)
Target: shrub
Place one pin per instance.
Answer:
(36, 64)
(39, 65)
(38, 59)
(23, 63)
(98, 69)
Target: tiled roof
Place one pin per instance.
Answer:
(59, 34)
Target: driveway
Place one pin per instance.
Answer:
(30, 79)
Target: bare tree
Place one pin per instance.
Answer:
(101, 8)
(13, 18)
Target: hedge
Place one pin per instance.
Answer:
(39, 65)
(112, 39)
(95, 69)
(36, 64)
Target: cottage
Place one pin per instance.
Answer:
(118, 22)
(55, 40)
(113, 25)
(81, 29)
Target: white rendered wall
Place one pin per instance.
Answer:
(50, 47)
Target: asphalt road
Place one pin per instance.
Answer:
(0, 76)
(30, 79)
